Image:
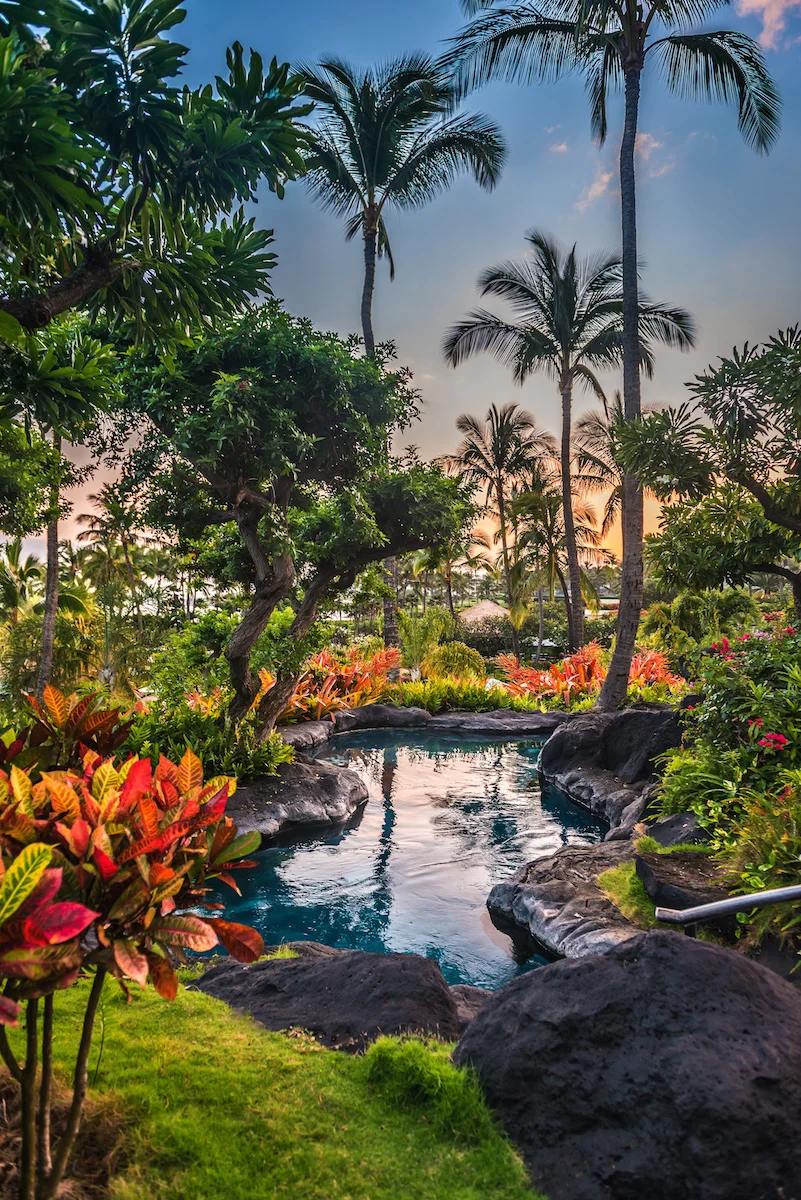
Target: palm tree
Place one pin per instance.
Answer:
(570, 324)
(389, 139)
(19, 578)
(111, 523)
(610, 44)
(494, 454)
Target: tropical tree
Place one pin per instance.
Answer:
(494, 455)
(123, 192)
(113, 522)
(610, 45)
(570, 325)
(389, 139)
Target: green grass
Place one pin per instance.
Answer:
(624, 888)
(219, 1107)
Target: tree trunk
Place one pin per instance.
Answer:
(27, 1169)
(370, 250)
(541, 627)
(51, 590)
(507, 571)
(391, 632)
(269, 592)
(449, 592)
(615, 685)
(576, 627)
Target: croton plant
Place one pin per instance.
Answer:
(101, 867)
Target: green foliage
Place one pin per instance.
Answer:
(223, 748)
(29, 470)
(699, 618)
(444, 695)
(455, 659)
(767, 853)
(417, 1075)
(419, 635)
(302, 1120)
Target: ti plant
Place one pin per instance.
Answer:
(66, 725)
(99, 866)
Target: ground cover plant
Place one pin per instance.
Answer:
(290, 1117)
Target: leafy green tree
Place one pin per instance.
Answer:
(722, 538)
(611, 45)
(112, 521)
(277, 435)
(389, 139)
(570, 325)
(121, 191)
(19, 579)
(494, 455)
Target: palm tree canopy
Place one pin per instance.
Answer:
(389, 137)
(570, 316)
(525, 42)
(499, 449)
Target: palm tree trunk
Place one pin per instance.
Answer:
(51, 589)
(507, 572)
(541, 627)
(575, 631)
(449, 592)
(615, 685)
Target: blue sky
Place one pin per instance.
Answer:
(719, 224)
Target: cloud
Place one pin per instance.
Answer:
(663, 168)
(551, 128)
(558, 148)
(598, 188)
(645, 144)
(774, 17)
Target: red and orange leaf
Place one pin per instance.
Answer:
(63, 798)
(138, 780)
(190, 772)
(166, 771)
(55, 703)
(131, 961)
(191, 933)
(149, 814)
(230, 881)
(242, 942)
(62, 922)
(162, 976)
(9, 1011)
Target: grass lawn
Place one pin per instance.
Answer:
(219, 1107)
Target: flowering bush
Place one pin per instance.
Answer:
(100, 869)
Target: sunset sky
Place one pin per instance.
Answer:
(719, 224)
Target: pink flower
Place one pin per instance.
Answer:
(774, 741)
(755, 721)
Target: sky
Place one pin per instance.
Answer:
(718, 223)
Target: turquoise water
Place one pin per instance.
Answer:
(446, 820)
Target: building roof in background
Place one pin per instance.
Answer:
(484, 610)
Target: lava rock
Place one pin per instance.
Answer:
(307, 735)
(678, 829)
(605, 761)
(682, 879)
(380, 716)
(302, 794)
(667, 1068)
(557, 901)
(500, 722)
(345, 1000)
(469, 1002)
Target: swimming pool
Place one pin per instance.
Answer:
(446, 819)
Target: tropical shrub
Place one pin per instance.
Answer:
(101, 867)
(454, 659)
(450, 695)
(699, 618)
(328, 685)
(419, 635)
(578, 678)
(767, 852)
(222, 747)
(65, 726)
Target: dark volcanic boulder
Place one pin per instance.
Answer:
(605, 761)
(500, 722)
(677, 829)
(469, 1002)
(667, 1069)
(346, 1000)
(683, 879)
(380, 716)
(301, 794)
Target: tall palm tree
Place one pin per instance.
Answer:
(494, 455)
(570, 324)
(610, 44)
(389, 139)
(110, 523)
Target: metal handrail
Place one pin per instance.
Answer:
(690, 917)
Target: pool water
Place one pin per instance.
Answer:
(446, 819)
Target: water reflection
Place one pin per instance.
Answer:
(446, 820)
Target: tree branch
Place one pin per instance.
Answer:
(773, 511)
(98, 269)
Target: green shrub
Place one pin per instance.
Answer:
(223, 749)
(445, 695)
(455, 659)
(415, 1074)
